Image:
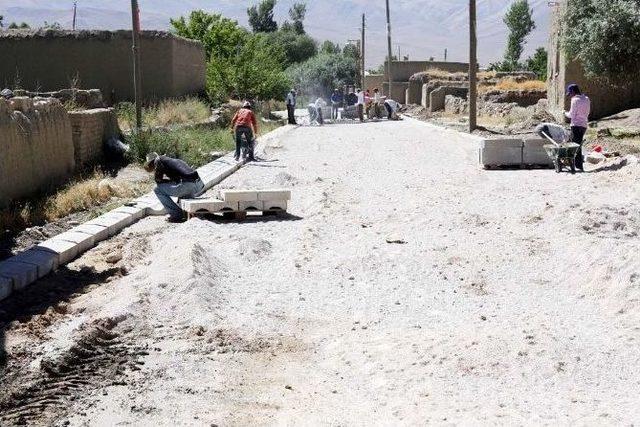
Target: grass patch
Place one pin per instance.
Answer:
(167, 113)
(512, 85)
(191, 145)
(79, 195)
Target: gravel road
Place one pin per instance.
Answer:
(407, 287)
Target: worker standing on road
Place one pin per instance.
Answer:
(291, 106)
(579, 115)
(377, 100)
(392, 108)
(244, 123)
(360, 104)
(174, 178)
(336, 103)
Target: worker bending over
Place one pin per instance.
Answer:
(244, 124)
(315, 111)
(174, 178)
(579, 116)
(392, 108)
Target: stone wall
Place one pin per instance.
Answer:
(607, 97)
(90, 129)
(429, 87)
(36, 148)
(48, 60)
(524, 98)
(91, 98)
(438, 96)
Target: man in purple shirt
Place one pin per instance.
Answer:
(579, 116)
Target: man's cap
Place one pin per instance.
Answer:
(246, 104)
(6, 93)
(151, 157)
(573, 88)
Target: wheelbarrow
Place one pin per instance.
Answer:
(563, 155)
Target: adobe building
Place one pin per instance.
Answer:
(401, 71)
(50, 60)
(607, 97)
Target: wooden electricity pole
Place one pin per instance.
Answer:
(390, 54)
(473, 68)
(362, 52)
(75, 11)
(137, 71)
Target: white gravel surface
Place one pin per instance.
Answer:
(408, 287)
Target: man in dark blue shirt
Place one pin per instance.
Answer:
(336, 103)
(174, 178)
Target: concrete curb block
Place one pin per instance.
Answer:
(18, 272)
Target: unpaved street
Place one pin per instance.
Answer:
(407, 287)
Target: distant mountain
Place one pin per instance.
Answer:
(421, 28)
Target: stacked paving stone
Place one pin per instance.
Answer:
(522, 152)
(239, 201)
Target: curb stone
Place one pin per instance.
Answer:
(18, 272)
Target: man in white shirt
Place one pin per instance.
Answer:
(315, 111)
(360, 104)
(291, 106)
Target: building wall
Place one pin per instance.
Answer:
(89, 130)
(36, 148)
(398, 91)
(403, 70)
(607, 97)
(50, 60)
(438, 96)
(373, 81)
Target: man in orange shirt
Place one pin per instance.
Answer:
(244, 123)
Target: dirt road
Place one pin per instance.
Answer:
(407, 287)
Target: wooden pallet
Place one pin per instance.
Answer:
(238, 215)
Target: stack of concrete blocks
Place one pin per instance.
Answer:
(528, 151)
(36, 151)
(240, 201)
(90, 129)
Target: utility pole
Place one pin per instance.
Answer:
(399, 57)
(362, 52)
(75, 10)
(389, 50)
(473, 68)
(137, 71)
(445, 54)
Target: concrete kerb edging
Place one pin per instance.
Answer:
(18, 272)
(471, 138)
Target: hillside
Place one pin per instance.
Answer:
(422, 28)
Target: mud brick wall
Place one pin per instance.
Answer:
(403, 70)
(437, 96)
(373, 81)
(36, 148)
(607, 97)
(90, 129)
(48, 60)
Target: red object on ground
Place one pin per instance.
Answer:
(597, 149)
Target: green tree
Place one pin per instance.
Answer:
(538, 63)
(220, 36)
(330, 47)
(255, 72)
(324, 72)
(297, 14)
(296, 47)
(47, 25)
(604, 36)
(261, 17)
(22, 26)
(519, 21)
(1, 23)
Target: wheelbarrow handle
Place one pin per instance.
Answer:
(550, 139)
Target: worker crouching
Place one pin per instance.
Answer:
(174, 178)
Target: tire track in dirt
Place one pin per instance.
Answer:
(100, 355)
